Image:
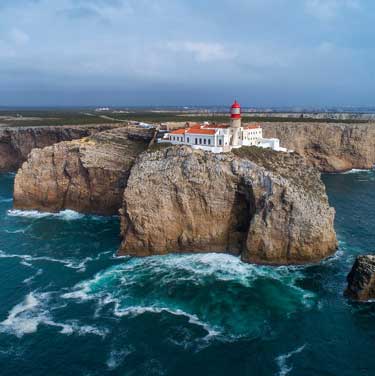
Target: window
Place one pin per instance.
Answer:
(220, 142)
(196, 141)
(204, 141)
(209, 142)
(200, 141)
(188, 139)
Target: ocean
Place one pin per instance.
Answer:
(69, 306)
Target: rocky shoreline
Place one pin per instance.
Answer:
(267, 207)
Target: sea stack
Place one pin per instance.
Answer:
(267, 207)
(361, 279)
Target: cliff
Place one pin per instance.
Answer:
(329, 147)
(17, 142)
(268, 207)
(87, 175)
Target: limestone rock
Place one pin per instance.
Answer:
(17, 142)
(361, 279)
(268, 207)
(87, 175)
(331, 147)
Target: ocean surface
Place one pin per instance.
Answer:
(70, 307)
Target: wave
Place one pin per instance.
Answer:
(27, 316)
(65, 215)
(282, 360)
(24, 318)
(178, 284)
(68, 215)
(79, 265)
(30, 279)
(139, 310)
(356, 171)
(5, 200)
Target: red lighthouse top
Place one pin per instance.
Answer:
(235, 111)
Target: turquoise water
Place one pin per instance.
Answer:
(69, 307)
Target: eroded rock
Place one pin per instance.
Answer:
(361, 279)
(330, 147)
(87, 175)
(17, 142)
(268, 207)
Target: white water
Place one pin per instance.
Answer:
(282, 361)
(33, 311)
(67, 215)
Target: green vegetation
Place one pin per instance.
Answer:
(28, 118)
(78, 117)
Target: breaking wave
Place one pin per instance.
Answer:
(27, 316)
(356, 171)
(217, 292)
(68, 215)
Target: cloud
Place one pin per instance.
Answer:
(270, 50)
(203, 51)
(18, 37)
(329, 9)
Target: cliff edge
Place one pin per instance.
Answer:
(330, 147)
(87, 175)
(17, 142)
(268, 207)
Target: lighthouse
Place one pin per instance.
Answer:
(235, 123)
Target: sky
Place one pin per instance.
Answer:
(187, 52)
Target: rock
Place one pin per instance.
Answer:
(17, 142)
(361, 279)
(267, 207)
(87, 175)
(330, 147)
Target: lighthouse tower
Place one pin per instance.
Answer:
(235, 123)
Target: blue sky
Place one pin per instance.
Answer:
(176, 52)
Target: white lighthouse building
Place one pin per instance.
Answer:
(219, 138)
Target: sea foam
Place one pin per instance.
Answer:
(282, 361)
(67, 215)
(177, 284)
(25, 318)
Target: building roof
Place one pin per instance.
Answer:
(201, 131)
(252, 126)
(213, 126)
(179, 131)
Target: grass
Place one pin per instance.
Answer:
(81, 117)
(50, 118)
(162, 117)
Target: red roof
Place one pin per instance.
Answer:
(178, 131)
(253, 126)
(201, 131)
(221, 126)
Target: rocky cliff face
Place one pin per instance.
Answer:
(17, 142)
(268, 207)
(361, 279)
(329, 147)
(87, 175)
